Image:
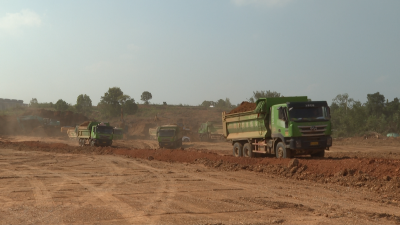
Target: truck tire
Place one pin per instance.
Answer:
(282, 152)
(92, 143)
(237, 149)
(247, 151)
(320, 154)
(82, 142)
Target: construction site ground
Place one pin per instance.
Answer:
(54, 181)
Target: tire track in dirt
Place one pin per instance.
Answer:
(130, 214)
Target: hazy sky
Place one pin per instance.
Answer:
(185, 51)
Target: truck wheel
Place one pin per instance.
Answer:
(320, 154)
(237, 149)
(81, 142)
(282, 151)
(92, 144)
(247, 152)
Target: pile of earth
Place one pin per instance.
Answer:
(138, 129)
(375, 175)
(244, 107)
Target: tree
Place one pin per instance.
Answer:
(264, 94)
(375, 104)
(343, 101)
(112, 101)
(146, 96)
(61, 105)
(83, 104)
(130, 107)
(208, 103)
(34, 102)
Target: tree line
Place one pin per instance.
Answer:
(112, 103)
(353, 118)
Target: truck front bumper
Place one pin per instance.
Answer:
(103, 142)
(310, 143)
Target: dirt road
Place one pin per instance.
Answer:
(41, 184)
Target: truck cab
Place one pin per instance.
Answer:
(169, 136)
(302, 127)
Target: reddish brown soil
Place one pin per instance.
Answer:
(380, 175)
(244, 107)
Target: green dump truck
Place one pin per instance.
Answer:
(210, 130)
(169, 136)
(94, 133)
(286, 127)
(118, 134)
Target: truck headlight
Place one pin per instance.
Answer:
(298, 143)
(329, 141)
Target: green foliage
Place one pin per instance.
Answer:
(146, 96)
(61, 105)
(33, 102)
(114, 101)
(219, 104)
(352, 118)
(83, 104)
(264, 94)
(207, 103)
(130, 107)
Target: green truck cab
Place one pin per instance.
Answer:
(95, 134)
(210, 130)
(118, 134)
(285, 126)
(169, 136)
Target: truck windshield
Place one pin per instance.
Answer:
(309, 113)
(166, 133)
(104, 130)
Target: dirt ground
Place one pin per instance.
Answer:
(53, 181)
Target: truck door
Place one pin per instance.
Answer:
(279, 120)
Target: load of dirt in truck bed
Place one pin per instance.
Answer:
(84, 123)
(244, 107)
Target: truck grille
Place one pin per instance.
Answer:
(318, 130)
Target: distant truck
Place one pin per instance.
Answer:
(93, 133)
(286, 127)
(211, 130)
(153, 132)
(118, 134)
(169, 136)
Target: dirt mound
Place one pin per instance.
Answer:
(244, 107)
(139, 129)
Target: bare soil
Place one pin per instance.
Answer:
(55, 181)
(244, 107)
